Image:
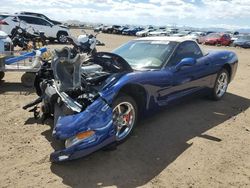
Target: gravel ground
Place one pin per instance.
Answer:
(197, 143)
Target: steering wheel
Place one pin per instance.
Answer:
(117, 63)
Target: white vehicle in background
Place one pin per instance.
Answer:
(5, 43)
(182, 34)
(144, 33)
(40, 16)
(194, 36)
(235, 37)
(51, 31)
(160, 32)
(172, 30)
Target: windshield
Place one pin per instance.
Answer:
(146, 54)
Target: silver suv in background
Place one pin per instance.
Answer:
(51, 31)
(40, 16)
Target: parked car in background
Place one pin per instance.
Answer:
(218, 39)
(5, 42)
(98, 28)
(172, 30)
(201, 39)
(235, 36)
(145, 32)
(194, 36)
(242, 41)
(107, 29)
(116, 29)
(40, 16)
(111, 29)
(160, 32)
(121, 29)
(131, 31)
(51, 31)
(209, 32)
(182, 34)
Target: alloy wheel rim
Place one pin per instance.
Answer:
(63, 38)
(124, 119)
(222, 84)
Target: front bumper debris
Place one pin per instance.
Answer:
(98, 118)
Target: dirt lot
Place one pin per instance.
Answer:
(197, 143)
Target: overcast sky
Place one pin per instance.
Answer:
(229, 14)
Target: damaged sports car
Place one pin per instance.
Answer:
(97, 100)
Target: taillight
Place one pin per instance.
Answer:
(2, 22)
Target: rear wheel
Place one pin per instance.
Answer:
(28, 79)
(62, 37)
(221, 84)
(124, 116)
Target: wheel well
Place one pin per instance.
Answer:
(138, 93)
(229, 70)
(59, 32)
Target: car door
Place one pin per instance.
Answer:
(38, 24)
(29, 23)
(46, 27)
(187, 79)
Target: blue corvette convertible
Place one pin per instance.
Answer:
(97, 100)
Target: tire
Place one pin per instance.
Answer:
(2, 75)
(217, 93)
(62, 37)
(124, 124)
(28, 79)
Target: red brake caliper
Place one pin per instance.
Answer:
(127, 117)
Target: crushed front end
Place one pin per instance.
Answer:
(84, 132)
(83, 120)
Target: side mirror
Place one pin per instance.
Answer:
(185, 62)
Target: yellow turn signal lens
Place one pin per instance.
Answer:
(84, 135)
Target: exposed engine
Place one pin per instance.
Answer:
(76, 80)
